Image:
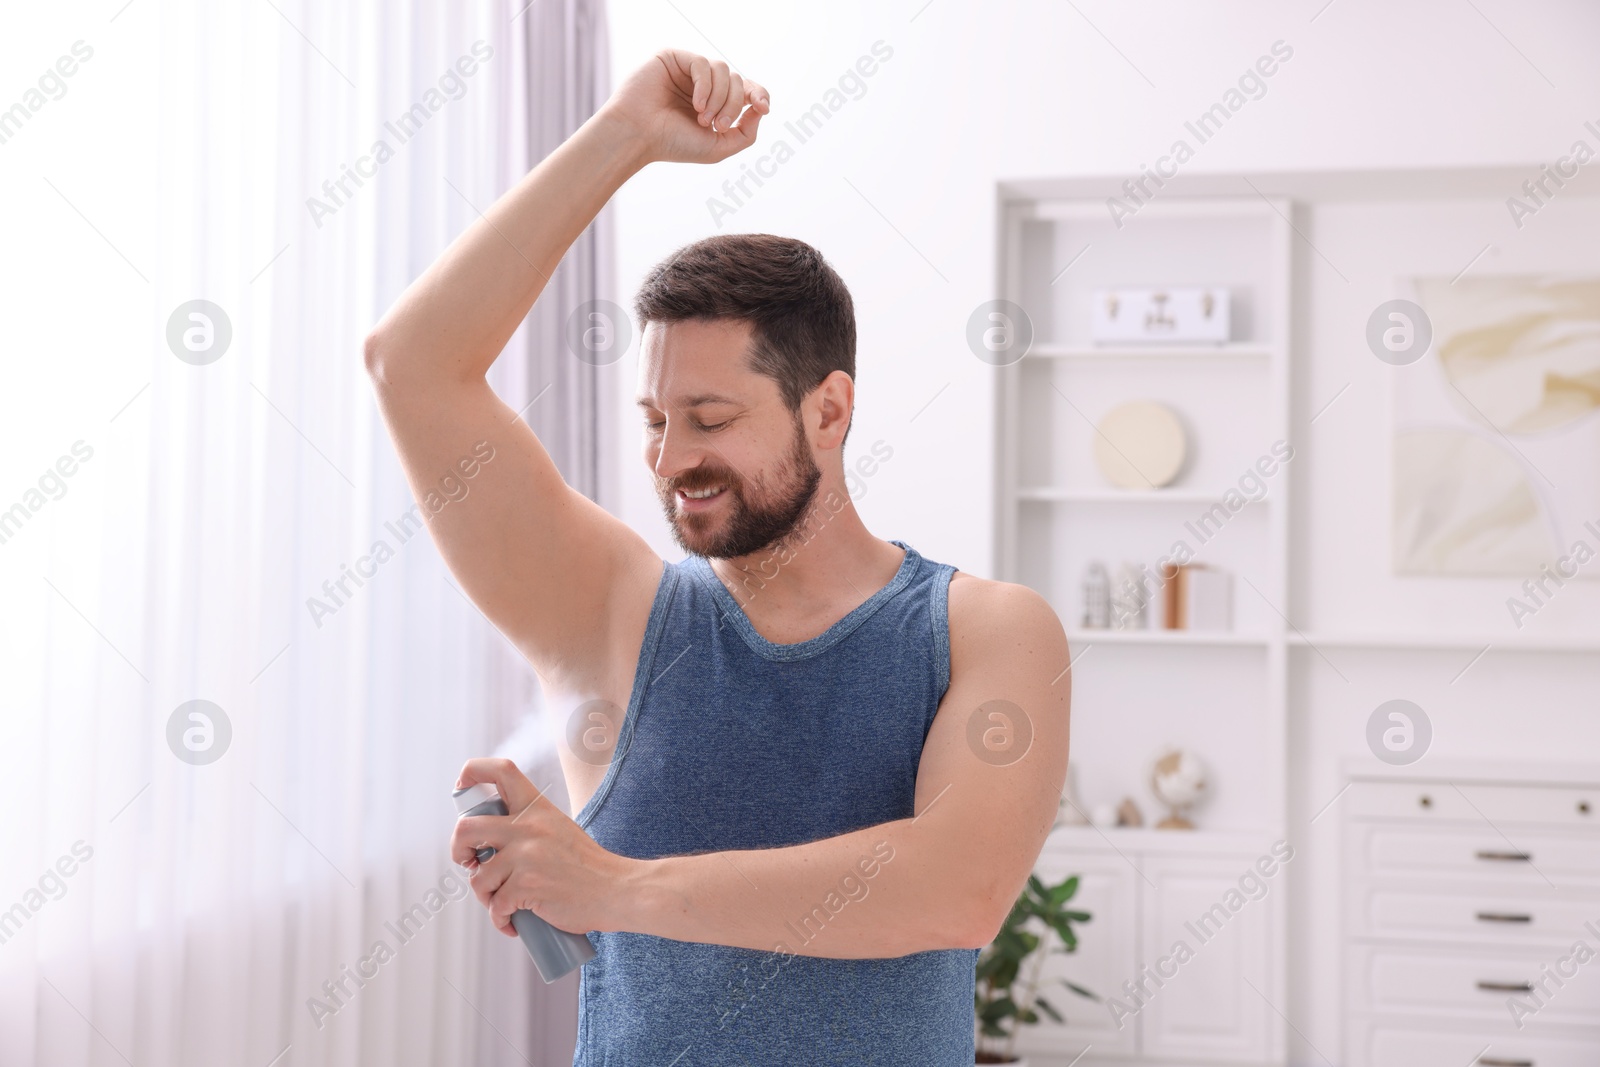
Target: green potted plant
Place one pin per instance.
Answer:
(1007, 996)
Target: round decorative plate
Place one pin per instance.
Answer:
(1140, 445)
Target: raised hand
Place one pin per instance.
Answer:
(687, 108)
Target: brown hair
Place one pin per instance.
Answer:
(803, 323)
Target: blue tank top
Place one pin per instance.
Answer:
(731, 741)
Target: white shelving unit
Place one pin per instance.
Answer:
(1326, 631)
(1220, 694)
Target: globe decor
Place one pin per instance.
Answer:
(1011, 968)
(1178, 779)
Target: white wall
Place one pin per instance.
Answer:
(977, 93)
(898, 190)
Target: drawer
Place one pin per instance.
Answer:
(1379, 1044)
(1549, 805)
(1481, 983)
(1511, 856)
(1491, 915)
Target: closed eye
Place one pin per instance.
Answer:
(655, 427)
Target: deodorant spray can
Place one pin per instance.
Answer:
(555, 952)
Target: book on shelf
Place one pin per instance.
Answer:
(1196, 596)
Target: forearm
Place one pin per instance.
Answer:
(883, 891)
(456, 318)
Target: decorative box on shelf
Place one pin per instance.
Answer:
(1163, 316)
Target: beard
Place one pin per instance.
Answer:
(755, 516)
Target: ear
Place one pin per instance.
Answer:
(832, 402)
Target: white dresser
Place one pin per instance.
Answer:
(1471, 922)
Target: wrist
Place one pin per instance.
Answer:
(618, 139)
(638, 897)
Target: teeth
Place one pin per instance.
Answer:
(701, 494)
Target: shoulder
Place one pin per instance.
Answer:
(1002, 619)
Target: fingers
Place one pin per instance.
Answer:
(755, 94)
(489, 877)
(700, 76)
(502, 904)
(750, 123)
(718, 95)
(505, 776)
(734, 104)
(475, 832)
(744, 134)
(489, 882)
(717, 98)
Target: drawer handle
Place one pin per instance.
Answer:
(1502, 917)
(1495, 1061)
(1505, 857)
(1506, 987)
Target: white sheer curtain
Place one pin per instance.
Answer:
(288, 903)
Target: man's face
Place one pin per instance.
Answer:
(713, 425)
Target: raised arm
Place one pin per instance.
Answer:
(544, 563)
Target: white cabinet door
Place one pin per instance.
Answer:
(1106, 950)
(1210, 957)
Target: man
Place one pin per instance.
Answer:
(829, 763)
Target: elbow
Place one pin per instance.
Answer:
(979, 934)
(395, 364)
(987, 906)
(980, 921)
(385, 367)
(373, 351)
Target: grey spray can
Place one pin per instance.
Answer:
(555, 952)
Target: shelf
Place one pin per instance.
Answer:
(1446, 642)
(1055, 207)
(1051, 495)
(1547, 772)
(1079, 638)
(1146, 840)
(1187, 351)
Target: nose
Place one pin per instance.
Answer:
(679, 447)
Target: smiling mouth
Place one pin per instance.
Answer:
(694, 499)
